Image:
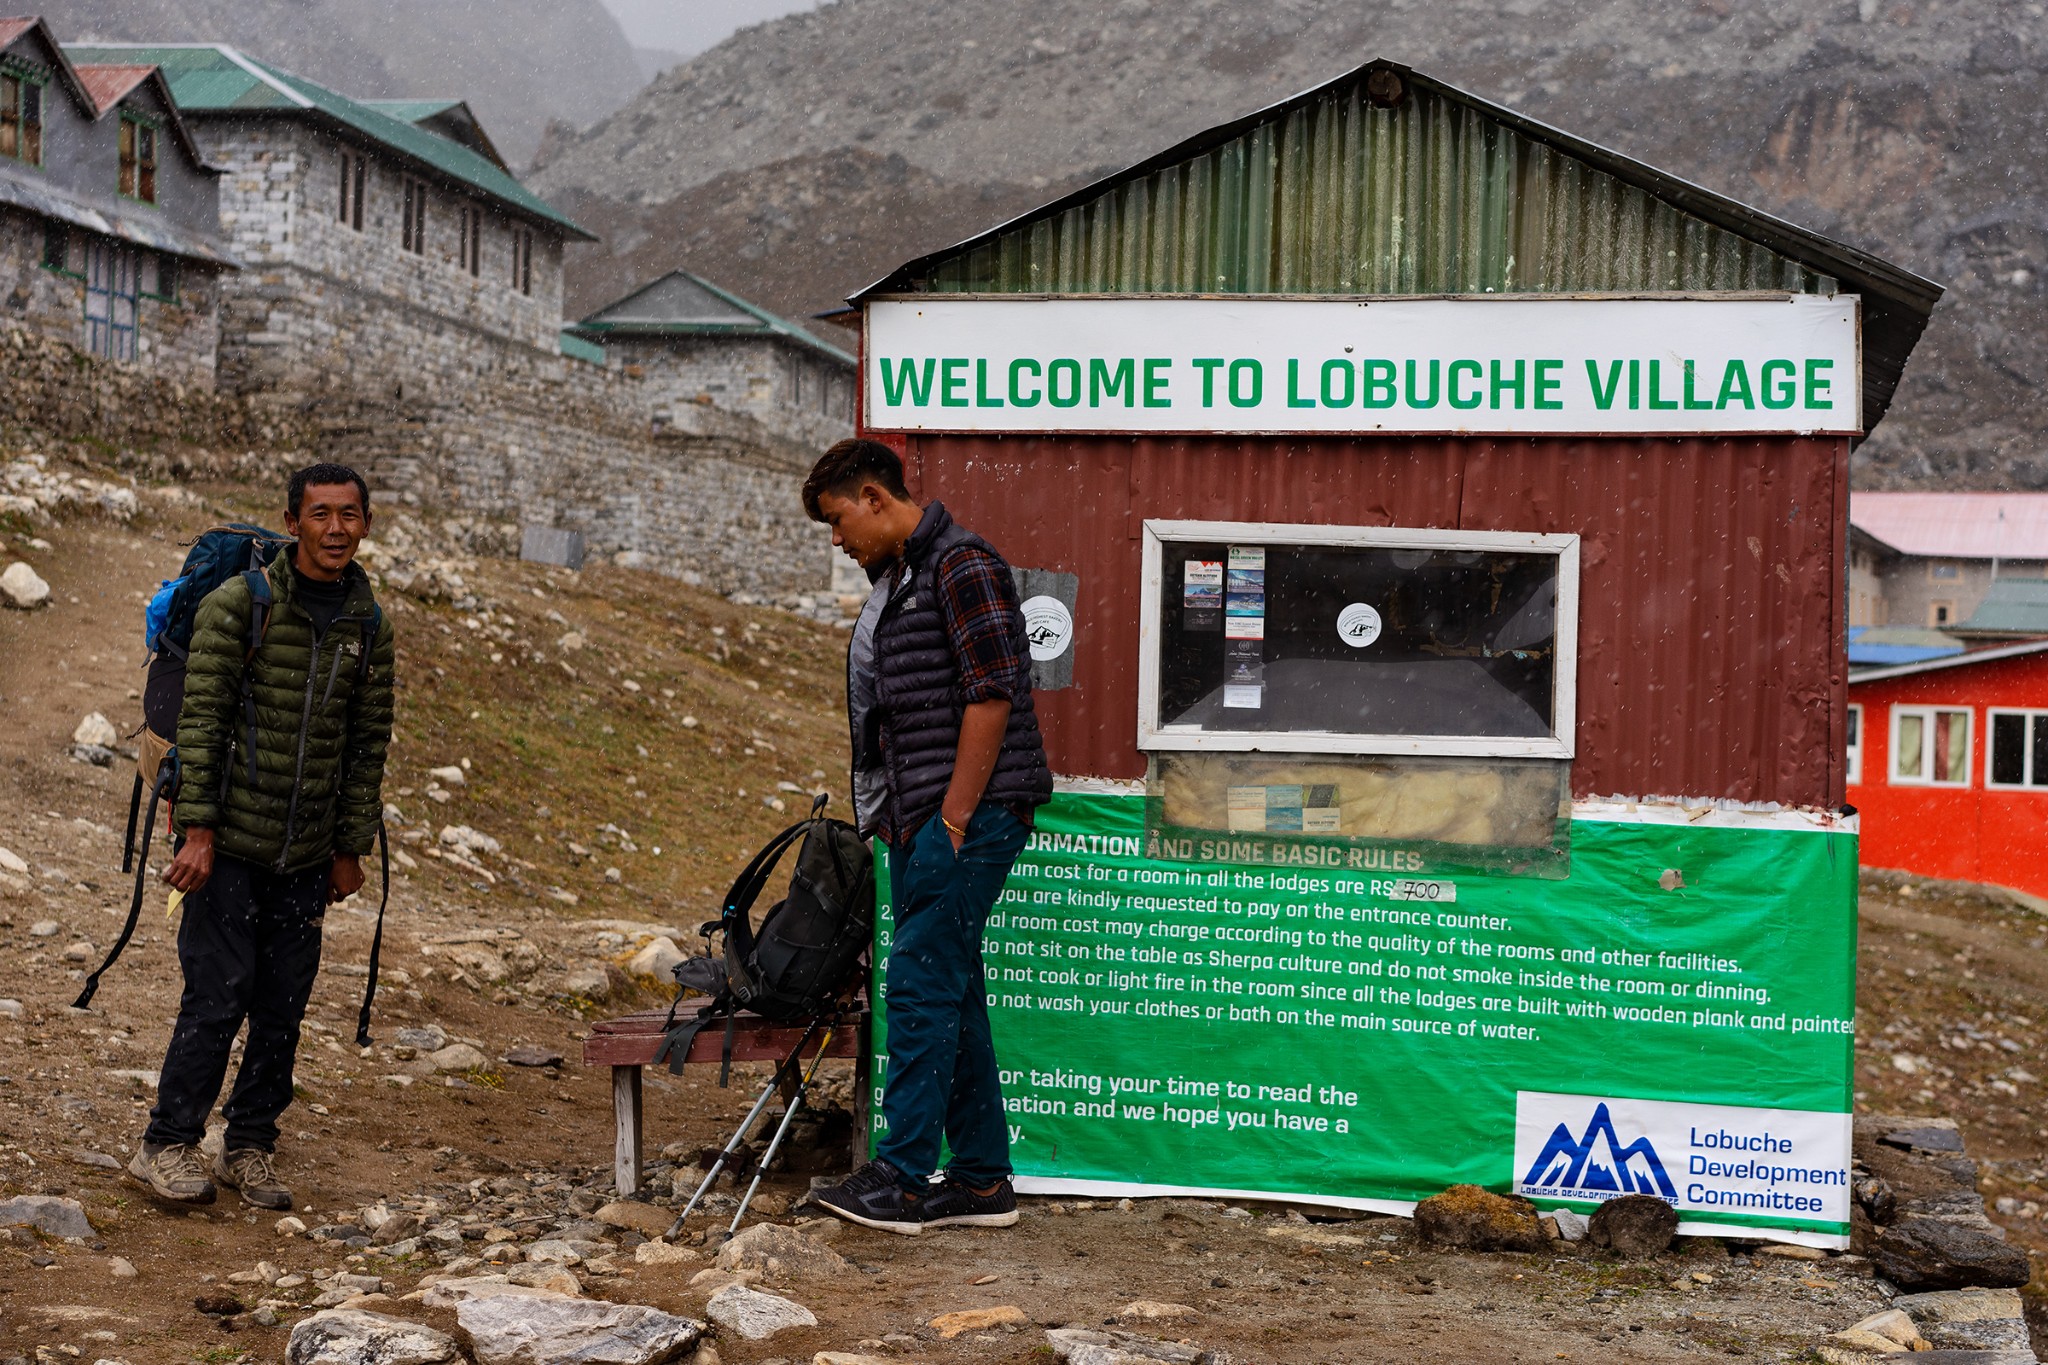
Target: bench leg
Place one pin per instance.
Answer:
(626, 1130)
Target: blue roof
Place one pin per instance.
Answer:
(1870, 646)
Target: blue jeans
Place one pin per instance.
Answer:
(942, 1062)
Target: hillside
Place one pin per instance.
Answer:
(519, 63)
(1892, 126)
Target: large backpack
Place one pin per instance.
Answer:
(806, 957)
(219, 554)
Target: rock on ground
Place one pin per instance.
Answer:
(1921, 1253)
(634, 1216)
(657, 959)
(547, 1329)
(97, 730)
(46, 1213)
(1088, 1346)
(1472, 1219)
(21, 586)
(755, 1315)
(950, 1325)
(458, 1057)
(351, 1336)
(780, 1252)
(1635, 1225)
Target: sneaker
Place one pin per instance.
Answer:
(173, 1172)
(872, 1197)
(253, 1171)
(955, 1203)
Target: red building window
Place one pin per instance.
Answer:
(1930, 746)
(2018, 752)
(1855, 744)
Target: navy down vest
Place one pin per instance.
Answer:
(917, 690)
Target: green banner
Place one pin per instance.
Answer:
(1290, 1019)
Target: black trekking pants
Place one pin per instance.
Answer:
(249, 946)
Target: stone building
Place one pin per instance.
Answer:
(377, 246)
(698, 346)
(1929, 560)
(109, 216)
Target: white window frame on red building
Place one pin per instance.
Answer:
(1927, 713)
(1856, 739)
(2031, 780)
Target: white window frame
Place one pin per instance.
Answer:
(1856, 749)
(1558, 744)
(2035, 716)
(1927, 714)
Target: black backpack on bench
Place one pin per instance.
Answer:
(806, 957)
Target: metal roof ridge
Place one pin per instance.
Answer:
(256, 69)
(2018, 650)
(775, 323)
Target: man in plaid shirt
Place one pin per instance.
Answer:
(947, 770)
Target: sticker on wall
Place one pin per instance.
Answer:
(1202, 595)
(1358, 625)
(1048, 628)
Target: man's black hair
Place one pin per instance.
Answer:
(848, 465)
(326, 472)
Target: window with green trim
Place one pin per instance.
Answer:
(21, 117)
(138, 158)
(158, 277)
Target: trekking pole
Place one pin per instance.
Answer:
(788, 1117)
(774, 1084)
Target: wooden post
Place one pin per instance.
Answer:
(626, 1129)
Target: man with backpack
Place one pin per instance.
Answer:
(281, 740)
(948, 767)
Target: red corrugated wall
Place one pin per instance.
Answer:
(1711, 597)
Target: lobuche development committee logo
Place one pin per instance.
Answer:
(1597, 1164)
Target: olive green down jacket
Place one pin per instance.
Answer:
(319, 740)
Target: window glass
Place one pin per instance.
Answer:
(1855, 744)
(1952, 746)
(10, 116)
(2008, 750)
(2038, 774)
(1906, 756)
(1362, 646)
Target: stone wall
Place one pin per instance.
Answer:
(176, 342)
(280, 200)
(789, 389)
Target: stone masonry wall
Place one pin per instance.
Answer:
(175, 342)
(787, 389)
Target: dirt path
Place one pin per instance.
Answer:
(554, 736)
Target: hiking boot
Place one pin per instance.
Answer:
(873, 1197)
(955, 1203)
(253, 1171)
(173, 1172)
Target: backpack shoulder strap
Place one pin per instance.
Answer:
(370, 629)
(746, 888)
(260, 602)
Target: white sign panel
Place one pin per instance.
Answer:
(1715, 1162)
(1510, 365)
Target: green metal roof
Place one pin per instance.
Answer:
(2011, 606)
(212, 78)
(682, 304)
(1387, 182)
(576, 348)
(411, 111)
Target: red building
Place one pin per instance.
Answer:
(1948, 763)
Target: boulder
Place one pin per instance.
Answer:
(450, 1292)
(1152, 1310)
(458, 1057)
(950, 1325)
(97, 731)
(634, 1216)
(424, 1037)
(661, 1253)
(551, 1276)
(1089, 1346)
(552, 1329)
(657, 960)
(23, 587)
(1570, 1225)
(1637, 1226)
(1921, 1253)
(780, 1252)
(528, 1054)
(46, 1213)
(755, 1315)
(352, 1336)
(1471, 1219)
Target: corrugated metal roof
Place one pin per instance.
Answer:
(10, 29)
(2011, 606)
(126, 219)
(682, 304)
(1872, 645)
(1956, 525)
(212, 78)
(1388, 182)
(412, 111)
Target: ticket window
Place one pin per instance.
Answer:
(1367, 685)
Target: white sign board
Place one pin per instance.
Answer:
(1513, 365)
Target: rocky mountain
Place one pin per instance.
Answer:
(806, 156)
(519, 63)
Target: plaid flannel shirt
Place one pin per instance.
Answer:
(978, 599)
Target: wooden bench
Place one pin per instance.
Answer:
(629, 1043)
